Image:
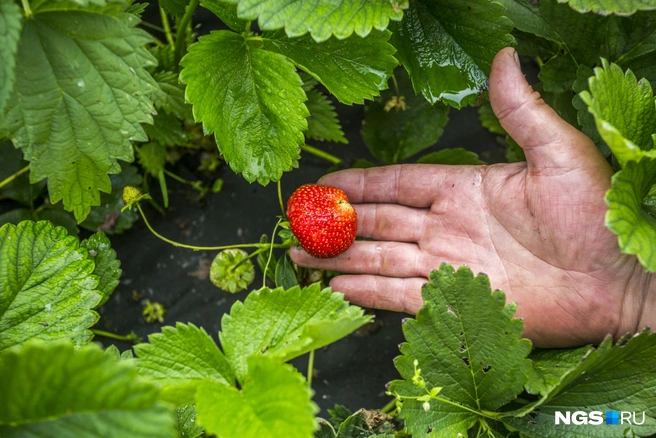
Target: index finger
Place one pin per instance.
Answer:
(414, 185)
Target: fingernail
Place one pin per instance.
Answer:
(516, 56)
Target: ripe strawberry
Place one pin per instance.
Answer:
(322, 220)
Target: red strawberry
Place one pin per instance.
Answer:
(322, 220)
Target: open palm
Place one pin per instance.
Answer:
(535, 228)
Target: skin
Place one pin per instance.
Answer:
(535, 228)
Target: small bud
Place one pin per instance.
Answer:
(426, 406)
(130, 194)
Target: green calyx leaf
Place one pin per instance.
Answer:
(321, 18)
(464, 341)
(47, 285)
(91, 86)
(608, 378)
(232, 270)
(447, 46)
(10, 23)
(180, 359)
(285, 324)
(353, 69)
(625, 112)
(605, 7)
(270, 389)
(456, 156)
(107, 268)
(254, 104)
(54, 390)
(628, 216)
(401, 124)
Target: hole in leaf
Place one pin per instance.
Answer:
(487, 368)
(463, 348)
(466, 360)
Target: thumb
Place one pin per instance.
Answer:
(549, 142)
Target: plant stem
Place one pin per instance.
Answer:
(166, 26)
(9, 179)
(389, 407)
(310, 370)
(266, 267)
(180, 39)
(321, 154)
(204, 248)
(127, 338)
(282, 205)
(396, 86)
(26, 7)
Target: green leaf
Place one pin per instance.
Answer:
(19, 189)
(262, 259)
(620, 378)
(322, 18)
(47, 286)
(10, 23)
(353, 69)
(466, 342)
(605, 7)
(514, 153)
(323, 123)
(252, 99)
(174, 7)
(451, 156)
(324, 429)
(152, 157)
(273, 401)
(583, 38)
(54, 390)
(167, 130)
(16, 216)
(585, 119)
(365, 424)
(170, 95)
(285, 274)
(489, 120)
(186, 422)
(549, 365)
(107, 268)
(634, 225)
(227, 12)
(447, 47)
(401, 124)
(625, 112)
(59, 218)
(80, 98)
(107, 216)
(286, 323)
(180, 359)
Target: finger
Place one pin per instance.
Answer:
(414, 185)
(390, 222)
(548, 141)
(391, 259)
(397, 294)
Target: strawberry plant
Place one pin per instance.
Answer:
(104, 104)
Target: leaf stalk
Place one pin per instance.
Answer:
(11, 178)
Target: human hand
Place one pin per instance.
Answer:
(536, 228)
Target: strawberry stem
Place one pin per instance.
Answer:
(206, 248)
(273, 238)
(282, 205)
(10, 178)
